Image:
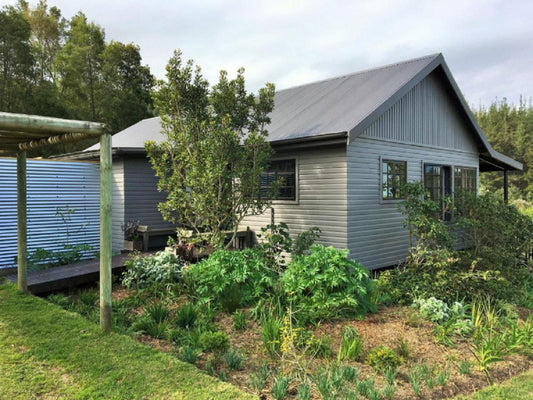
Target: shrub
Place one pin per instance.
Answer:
(245, 272)
(351, 344)
(163, 268)
(326, 284)
(382, 358)
(214, 341)
(188, 354)
(186, 316)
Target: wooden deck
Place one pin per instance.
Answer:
(68, 276)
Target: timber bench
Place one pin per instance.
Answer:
(146, 232)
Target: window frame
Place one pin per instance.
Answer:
(383, 160)
(296, 180)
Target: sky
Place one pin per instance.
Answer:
(487, 44)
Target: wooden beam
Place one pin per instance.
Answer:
(22, 256)
(63, 138)
(105, 232)
(34, 123)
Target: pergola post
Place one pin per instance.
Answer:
(22, 258)
(105, 231)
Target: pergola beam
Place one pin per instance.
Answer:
(19, 132)
(34, 123)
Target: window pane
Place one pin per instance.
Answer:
(284, 170)
(393, 177)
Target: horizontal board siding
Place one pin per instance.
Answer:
(376, 233)
(321, 197)
(425, 116)
(141, 194)
(118, 204)
(52, 187)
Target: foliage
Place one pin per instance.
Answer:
(130, 229)
(186, 316)
(258, 378)
(305, 240)
(239, 320)
(382, 358)
(509, 129)
(188, 354)
(225, 272)
(326, 284)
(66, 69)
(214, 341)
(161, 269)
(351, 344)
(423, 219)
(215, 150)
(233, 359)
(280, 387)
(271, 335)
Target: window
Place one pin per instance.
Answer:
(393, 177)
(465, 179)
(284, 170)
(437, 181)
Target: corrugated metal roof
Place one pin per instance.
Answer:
(345, 104)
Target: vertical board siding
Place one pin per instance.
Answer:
(424, 126)
(425, 116)
(141, 194)
(321, 197)
(52, 186)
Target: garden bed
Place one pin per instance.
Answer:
(400, 328)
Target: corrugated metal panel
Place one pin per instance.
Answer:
(118, 205)
(53, 186)
(322, 197)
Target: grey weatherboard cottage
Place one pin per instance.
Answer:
(343, 146)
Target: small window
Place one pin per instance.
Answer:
(465, 179)
(393, 178)
(284, 170)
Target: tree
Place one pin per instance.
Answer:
(215, 151)
(126, 86)
(510, 131)
(16, 61)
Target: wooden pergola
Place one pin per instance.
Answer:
(20, 133)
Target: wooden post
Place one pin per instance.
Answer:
(22, 267)
(105, 231)
(506, 186)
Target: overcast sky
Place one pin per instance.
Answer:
(487, 44)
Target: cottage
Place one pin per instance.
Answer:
(344, 145)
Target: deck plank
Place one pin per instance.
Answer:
(67, 276)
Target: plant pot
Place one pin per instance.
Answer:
(133, 245)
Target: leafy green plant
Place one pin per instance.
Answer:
(233, 359)
(271, 335)
(157, 311)
(388, 391)
(163, 268)
(403, 348)
(61, 300)
(211, 365)
(390, 375)
(351, 344)
(326, 284)
(319, 347)
(305, 240)
(239, 320)
(258, 378)
(304, 391)
(186, 316)
(382, 357)
(214, 341)
(148, 326)
(280, 387)
(350, 373)
(188, 354)
(464, 367)
(245, 272)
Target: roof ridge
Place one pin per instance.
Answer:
(430, 56)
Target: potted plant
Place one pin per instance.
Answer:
(132, 239)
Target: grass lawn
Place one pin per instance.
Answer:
(46, 352)
(517, 388)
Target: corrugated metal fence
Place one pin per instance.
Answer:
(54, 187)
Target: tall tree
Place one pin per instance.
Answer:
(509, 129)
(79, 67)
(211, 162)
(16, 61)
(126, 86)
